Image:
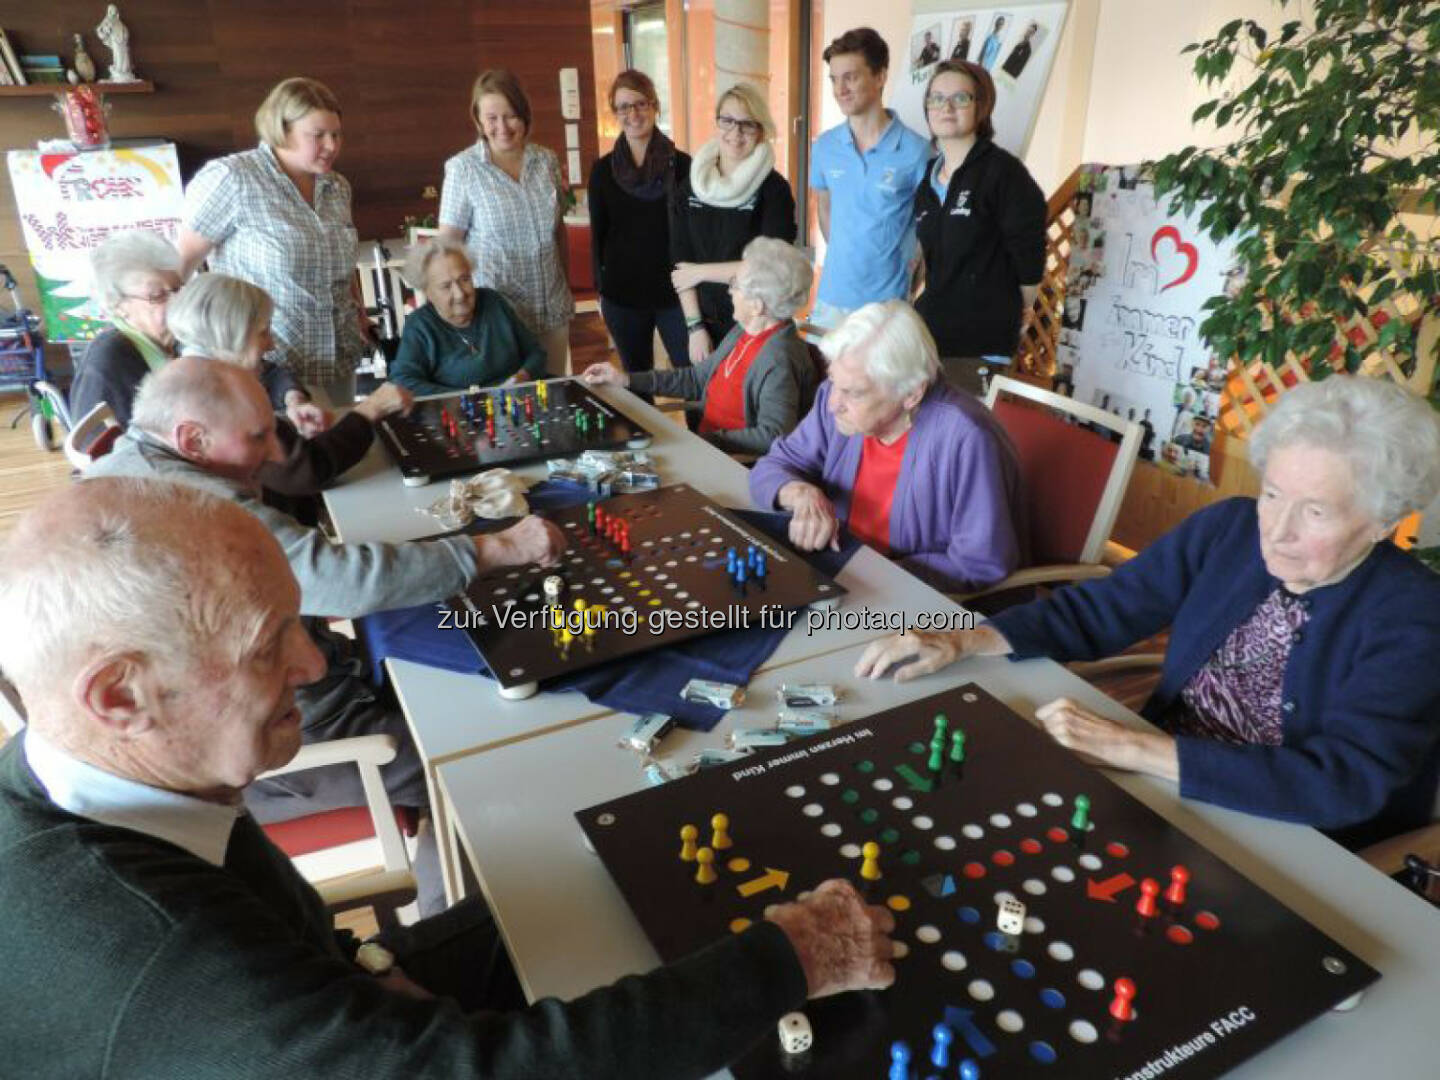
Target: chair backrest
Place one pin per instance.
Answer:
(1074, 479)
(92, 437)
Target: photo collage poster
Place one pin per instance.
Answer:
(1015, 42)
(1129, 340)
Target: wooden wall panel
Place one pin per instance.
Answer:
(402, 71)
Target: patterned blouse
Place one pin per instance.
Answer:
(302, 254)
(510, 230)
(1236, 696)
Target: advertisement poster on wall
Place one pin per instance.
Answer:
(1134, 300)
(1015, 42)
(71, 202)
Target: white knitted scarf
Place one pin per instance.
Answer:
(736, 188)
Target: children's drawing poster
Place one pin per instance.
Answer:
(1129, 339)
(70, 202)
(1015, 42)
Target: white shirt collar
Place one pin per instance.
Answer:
(201, 828)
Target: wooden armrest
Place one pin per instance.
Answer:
(1091, 669)
(347, 892)
(355, 750)
(1038, 575)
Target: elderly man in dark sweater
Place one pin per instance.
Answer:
(152, 931)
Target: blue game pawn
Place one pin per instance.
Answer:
(899, 1061)
(969, 1070)
(940, 1052)
(740, 574)
(760, 567)
(730, 559)
(750, 555)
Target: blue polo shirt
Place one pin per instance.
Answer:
(871, 211)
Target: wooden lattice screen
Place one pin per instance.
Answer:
(1040, 332)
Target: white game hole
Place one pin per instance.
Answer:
(972, 832)
(1051, 799)
(1000, 821)
(1091, 979)
(1063, 874)
(981, 990)
(1061, 950)
(795, 791)
(902, 802)
(1090, 862)
(927, 935)
(1082, 1031)
(1026, 809)
(920, 821)
(1034, 886)
(953, 961)
(945, 843)
(1008, 1020)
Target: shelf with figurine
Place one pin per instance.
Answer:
(141, 86)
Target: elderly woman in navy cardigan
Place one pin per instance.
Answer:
(918, 470)
(1301, 681)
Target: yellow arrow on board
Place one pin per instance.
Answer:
(773, 879)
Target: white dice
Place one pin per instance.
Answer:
(795, 1034)
(1011, 917)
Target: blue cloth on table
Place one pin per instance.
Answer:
(648, 682)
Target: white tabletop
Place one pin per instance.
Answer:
(569, 930)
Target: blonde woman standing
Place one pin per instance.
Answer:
(504, 199)
(732, 195)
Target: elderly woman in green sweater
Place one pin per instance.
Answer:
(757, 384)
(465, 335)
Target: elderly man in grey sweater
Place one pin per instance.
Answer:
(209, 425)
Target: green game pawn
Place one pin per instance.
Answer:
(957, 747)
(941, 723)
(535, 430)
(937, 755)
(1080, 820)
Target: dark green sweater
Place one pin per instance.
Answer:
(128, 957)
(437, 358)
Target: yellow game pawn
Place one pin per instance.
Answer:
(705, 875)
(688, 835)
(870, 868)
(720, 838)
(566, 637)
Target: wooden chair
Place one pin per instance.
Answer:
(92, 437)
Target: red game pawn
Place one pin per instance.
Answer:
(1122, 1007)
(1149, 890)
(1179, 878)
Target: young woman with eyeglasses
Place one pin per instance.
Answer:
(630, 192)
(732, 195)
(980, 221)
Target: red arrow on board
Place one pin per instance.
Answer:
(1108, 889)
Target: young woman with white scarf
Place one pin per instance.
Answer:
(733, 195)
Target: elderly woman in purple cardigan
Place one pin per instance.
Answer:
(1300, 682)
(918, 470)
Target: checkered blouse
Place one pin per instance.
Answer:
(302, 255)
(510, 230)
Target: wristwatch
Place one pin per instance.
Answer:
(375, 958)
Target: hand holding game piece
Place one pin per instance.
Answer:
(923, 652)
(841, 943)
(604, 374)
(385, 400)
(813, 524)
(309, 419)
(1101, 741)
(532, 540)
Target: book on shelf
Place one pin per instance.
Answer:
(42, 68)
(11, 61)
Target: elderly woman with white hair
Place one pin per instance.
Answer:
(757, 383)
(465, 335)
(134, 274)
(1300, 682)
(916, 469)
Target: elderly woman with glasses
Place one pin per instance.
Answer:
(465, 335)
(920, 471)
(504, 198)
(732, 195)
(980, 221)
(757, 383)
(134, 275)
(1301, 681)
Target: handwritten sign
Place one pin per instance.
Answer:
(1130, 340)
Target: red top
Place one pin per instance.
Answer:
(725, 394)
(875, 490)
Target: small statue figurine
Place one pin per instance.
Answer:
(84, 66)
(115, 36)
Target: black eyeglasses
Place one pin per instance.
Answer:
(957, 101)
(639, 108)
(734, 123)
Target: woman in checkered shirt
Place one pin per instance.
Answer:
(278, 217)
(503, 197)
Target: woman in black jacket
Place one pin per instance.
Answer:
(630, 189)
(980, 221)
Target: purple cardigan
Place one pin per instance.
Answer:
(953, 520)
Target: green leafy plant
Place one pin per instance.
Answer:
(1339, 135)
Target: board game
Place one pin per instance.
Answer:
(485, 428)
(641, 571)
(1138, 954)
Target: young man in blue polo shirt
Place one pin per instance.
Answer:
(863, 174)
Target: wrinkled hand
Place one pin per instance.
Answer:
(309, 419)
(843, 943)
(922, 652)
(813, 524)
(604, 374)
(532, 540)
(1101, 741)
(387, 398)
(700, 345)
(687, 275)
(521, 376)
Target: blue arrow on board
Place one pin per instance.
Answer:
(959, 1020)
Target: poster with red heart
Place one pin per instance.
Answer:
(1134, 301)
